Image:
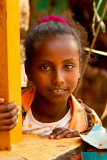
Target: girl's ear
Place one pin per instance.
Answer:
(81, 64)
(79, 75)
(27, 71)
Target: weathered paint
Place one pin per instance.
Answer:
(10, 77)
(94, 156)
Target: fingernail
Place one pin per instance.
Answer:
(51, 135)
(14, 103)
(18, 113)
(17, 121)
(1, 100)
(57, 136)
(18, 107)
(68, 134)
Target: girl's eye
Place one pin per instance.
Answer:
(68, 66)
(45, 67)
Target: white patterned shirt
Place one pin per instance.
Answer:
(31, 125)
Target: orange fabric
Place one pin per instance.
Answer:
(79, 119)
(27, 97)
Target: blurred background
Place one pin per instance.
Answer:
(93, 87)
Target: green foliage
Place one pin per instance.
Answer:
(97, 15)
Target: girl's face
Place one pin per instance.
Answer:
(55, 68)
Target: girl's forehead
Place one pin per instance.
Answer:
(55, 40)
(56, 48)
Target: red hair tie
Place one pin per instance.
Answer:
(52, 18)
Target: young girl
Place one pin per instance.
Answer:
(54, 55)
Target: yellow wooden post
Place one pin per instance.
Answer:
(10, 79)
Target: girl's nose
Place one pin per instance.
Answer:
(58, 78)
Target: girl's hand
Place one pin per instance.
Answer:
(8, 115)
(61, 132)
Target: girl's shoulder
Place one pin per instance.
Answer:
(92, 117)
(27, 99)
(24, 89)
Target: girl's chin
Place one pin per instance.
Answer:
(54, 97)
(58, 100)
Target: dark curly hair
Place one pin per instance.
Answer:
(54, 28)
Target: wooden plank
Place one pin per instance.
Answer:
(10, 77)
(38, 147)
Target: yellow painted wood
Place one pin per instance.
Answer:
(10, 77)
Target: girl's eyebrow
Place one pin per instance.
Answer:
(40, 59)
(74, 59)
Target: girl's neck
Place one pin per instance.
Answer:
(47, 112)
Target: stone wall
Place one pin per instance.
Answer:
(24, 12)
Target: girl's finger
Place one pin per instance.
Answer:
(62, 134)
(10, 114)
(72, 134)
(8, 107)
(2, 100)
(55, 132)
(52, 135)
(8, 121)
(8, 127)
(58, 130)
(59, 133)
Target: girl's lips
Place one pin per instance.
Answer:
(58, 91)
